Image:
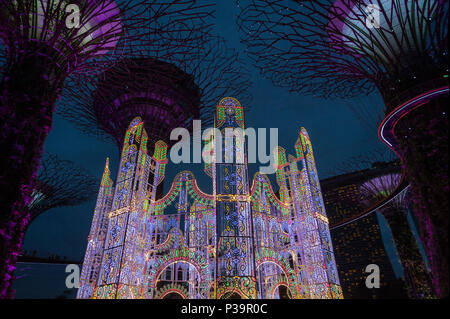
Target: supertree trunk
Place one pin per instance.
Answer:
(423, 143)
(27, 98)
(417, 279)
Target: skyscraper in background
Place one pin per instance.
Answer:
(360, 242)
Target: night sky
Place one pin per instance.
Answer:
(335, 132)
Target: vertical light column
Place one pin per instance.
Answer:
(235, 260)
(156, 169)
(122, 270)
(92, 259)
(304, 230)
(284, 173)
(331, 288)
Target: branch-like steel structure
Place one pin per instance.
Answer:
(164, 93)
(346, 48)
(44, 42)
(60, 183)
(326, 48)
(417, 278)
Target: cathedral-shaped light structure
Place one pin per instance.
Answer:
(242, 241)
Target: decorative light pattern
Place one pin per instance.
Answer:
(238, 242)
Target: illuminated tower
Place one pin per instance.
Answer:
(235, 243)
(235, 260)
(123, 263)
(309, 233)
(96, 239)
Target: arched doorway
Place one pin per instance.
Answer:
(273, 270)
(269, 276)
(284, 292)
(178, 280)
(232, 295)
(173, 295)
(180, 267)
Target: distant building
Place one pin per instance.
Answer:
(358, 243)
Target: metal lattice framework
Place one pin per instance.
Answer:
(240, 241)
(60, 183)
(324, 47)
(43, 44)
(346, 48)
(165, 92)
(107, 29)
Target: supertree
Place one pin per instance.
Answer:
(45, 41)
(383, 176)
(164, 93)
(60, 183)
(345, 48)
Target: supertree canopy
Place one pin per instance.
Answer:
(45, 41)
(60, 183)
(345, 48)
(335, 48)
(164, 94)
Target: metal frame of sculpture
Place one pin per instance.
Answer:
(239, 242)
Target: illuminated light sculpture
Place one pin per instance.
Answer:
(345, 48)
(167, 92)
(312, 251)
(235, 275)
(97, 234)
(238, 242)
(60, 183)
(44, 42)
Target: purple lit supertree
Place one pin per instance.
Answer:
(45, 41)
(164, 93)
(345, 48)
(60, 183)
(383, 176)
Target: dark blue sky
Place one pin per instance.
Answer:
(335, 132)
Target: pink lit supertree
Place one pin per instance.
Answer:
(60, 183)
(346, 48)
(165, 93)
(44, 42)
